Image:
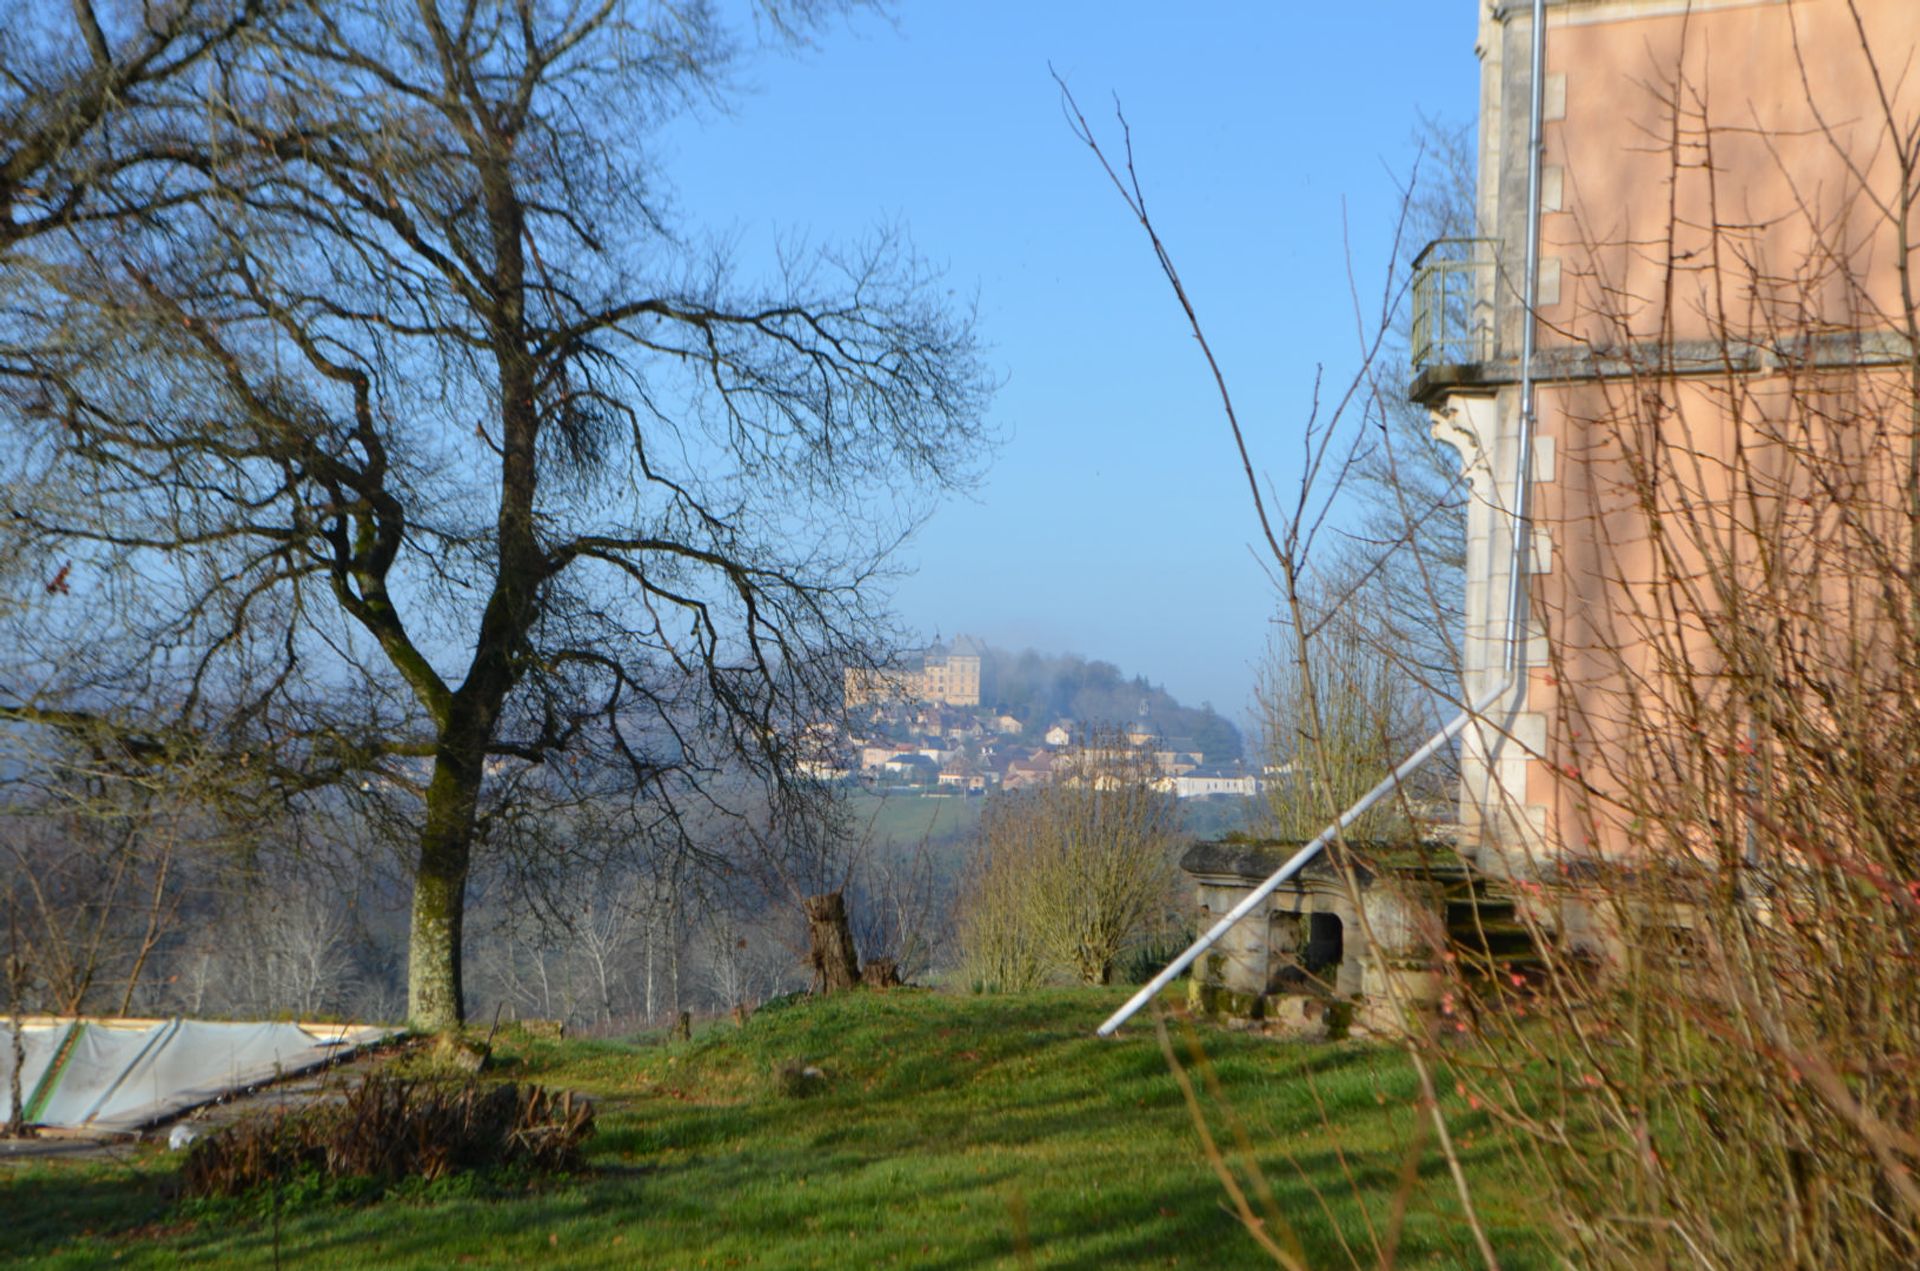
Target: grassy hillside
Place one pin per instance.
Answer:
(949, 824)
(947, 1132)
(903, 820)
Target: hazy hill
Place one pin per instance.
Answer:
(1040, 688)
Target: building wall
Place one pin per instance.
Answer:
(863, 686)
(953, 680)
(939, 679)
(1720, 329)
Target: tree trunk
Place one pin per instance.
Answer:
(434, 999)
(676, 939)
(16, 1106)
(836, 968)
(16, 975)
(471, 714)
(652, 941)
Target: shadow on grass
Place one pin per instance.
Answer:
(48, 1208)
(593, 1223)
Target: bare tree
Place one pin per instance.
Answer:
(102, 850)
(1404, 552)
(1370, 714)
(902, 908)
(85, 108)
(1070, 874)
(414, 391)
(603, 932)
(663, 900)
(305, 947)
(1289, 532)
(745, 960)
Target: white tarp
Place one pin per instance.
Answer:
(41, 1043)
(97, 1059)
(127, 1075)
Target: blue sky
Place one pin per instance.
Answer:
(1114, 522)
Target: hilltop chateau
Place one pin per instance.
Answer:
(938, 675)
(918, 725)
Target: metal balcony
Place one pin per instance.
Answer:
(1455, 286)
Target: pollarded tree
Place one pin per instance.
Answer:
(414, 437)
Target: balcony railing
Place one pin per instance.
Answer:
(1455, 284)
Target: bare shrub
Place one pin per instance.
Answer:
(1728, 905)
(1001, 950)
(1070, 875)
(389, 1128)
(1369, 715)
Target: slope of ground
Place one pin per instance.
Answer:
(946, 1132)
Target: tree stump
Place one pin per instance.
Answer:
(460, 1054)
(880, 973)
(682, 1028)
(836, 967)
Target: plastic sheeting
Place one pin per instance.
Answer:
(128, 1075)
(41, 1043)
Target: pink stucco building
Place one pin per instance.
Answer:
(1725, 381)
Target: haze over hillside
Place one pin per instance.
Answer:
(1039, 688)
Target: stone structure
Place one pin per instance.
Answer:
(1303, 966)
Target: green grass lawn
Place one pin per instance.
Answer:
(950, 1132)
(903, 820)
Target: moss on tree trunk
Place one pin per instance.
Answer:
(435, 1002)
